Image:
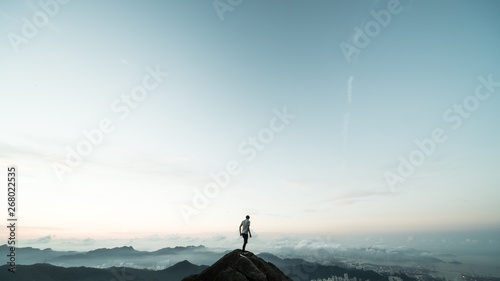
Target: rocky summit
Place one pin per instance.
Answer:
(236, 267)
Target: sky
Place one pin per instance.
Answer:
(129, 119)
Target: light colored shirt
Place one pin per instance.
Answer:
(245, 226)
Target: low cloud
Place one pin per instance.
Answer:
(294, 184)
(354, 196)
(41, 240)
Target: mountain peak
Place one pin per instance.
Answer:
(234, 266)
(117, 250)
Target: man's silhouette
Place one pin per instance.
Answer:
(245, 231)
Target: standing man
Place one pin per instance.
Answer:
(245, 231)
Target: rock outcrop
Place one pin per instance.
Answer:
(235, 267)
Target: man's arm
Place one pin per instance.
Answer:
(249, 232)
(241, 224)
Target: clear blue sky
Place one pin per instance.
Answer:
(66, 68)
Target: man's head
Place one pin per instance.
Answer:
(248, 217)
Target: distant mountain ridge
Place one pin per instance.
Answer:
(47, 272)
(118, 256)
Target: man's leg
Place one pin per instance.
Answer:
(245, 240)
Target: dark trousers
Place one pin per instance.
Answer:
(245, 240)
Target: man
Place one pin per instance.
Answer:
(245, 231)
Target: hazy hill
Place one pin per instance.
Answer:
(33, 255)
(121, 256)
(47, 272)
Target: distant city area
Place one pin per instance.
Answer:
(420, 272)
(346, 278)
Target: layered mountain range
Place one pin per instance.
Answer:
(170, 264)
